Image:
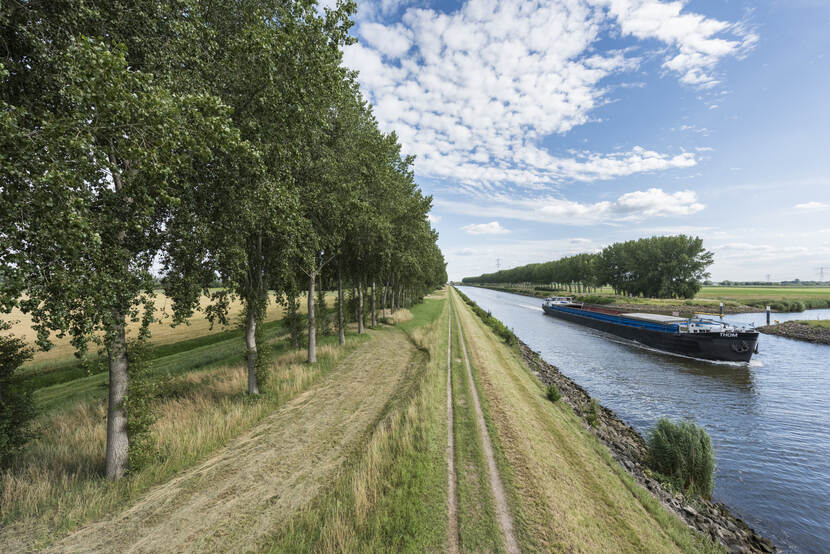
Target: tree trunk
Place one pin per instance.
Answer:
(392, 300)
(251, 352)
(295, 332)
(312, 327)
(374, 307)
(118, 441)
(341, 328)
(360, 324)
(385, 295)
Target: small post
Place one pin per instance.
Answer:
(721, 309)
(767, 315)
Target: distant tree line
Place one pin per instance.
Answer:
(201, 141)
(657, 267)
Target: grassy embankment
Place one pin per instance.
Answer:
(735, 299)
(385, 487)
(58, 481)
(565, 490)
(391, 494)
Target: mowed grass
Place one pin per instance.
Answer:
(392, 493)
(58, 483)
(565, 491)
(478, 527)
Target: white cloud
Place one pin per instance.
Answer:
(473, 93)
(696, 43)
(393, 41)
(629, 207)
(811, 206)
(492, 228)
(432, 218)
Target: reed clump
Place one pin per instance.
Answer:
(681, 454)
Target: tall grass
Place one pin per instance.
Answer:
(682, 453)
(58, 480)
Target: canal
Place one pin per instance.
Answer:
(769, 421)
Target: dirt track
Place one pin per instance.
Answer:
(499, 495)
(250, 488)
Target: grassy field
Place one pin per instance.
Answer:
(821, 324)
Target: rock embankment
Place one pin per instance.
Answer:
(629, 449)
(799, 331)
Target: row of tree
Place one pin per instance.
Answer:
(193, 140)
(657, 267)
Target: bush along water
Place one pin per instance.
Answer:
(497, 326)
(552, 393)
(681, 454)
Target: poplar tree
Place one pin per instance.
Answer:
(101, 166)
(276, 64)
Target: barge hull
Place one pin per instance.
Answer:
(736, 348)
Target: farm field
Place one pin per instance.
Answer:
(162, 332)
(773, 293)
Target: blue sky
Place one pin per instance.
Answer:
(544, 129)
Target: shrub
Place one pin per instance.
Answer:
(553, 393)
(592, 414)
(139, 405)
(682, 453)
(16, 406)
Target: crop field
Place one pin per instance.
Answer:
(773, 293)
(162, 332)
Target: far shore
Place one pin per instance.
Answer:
(810, 331)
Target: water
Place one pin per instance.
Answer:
(768, 421)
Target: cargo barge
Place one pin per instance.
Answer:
(696, 337)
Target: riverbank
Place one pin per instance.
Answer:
(628, 448)
(564, 489)
(686, 308)
(810, 331)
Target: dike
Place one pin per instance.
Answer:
(798, 331)
(629, 449)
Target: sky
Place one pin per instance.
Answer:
(545, 129)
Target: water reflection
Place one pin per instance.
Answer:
(767, 419)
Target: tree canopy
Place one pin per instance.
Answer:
(657, 267)
(185, 142)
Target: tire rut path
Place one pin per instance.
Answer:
(451, 475)
(253, 486)
(499, 495)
